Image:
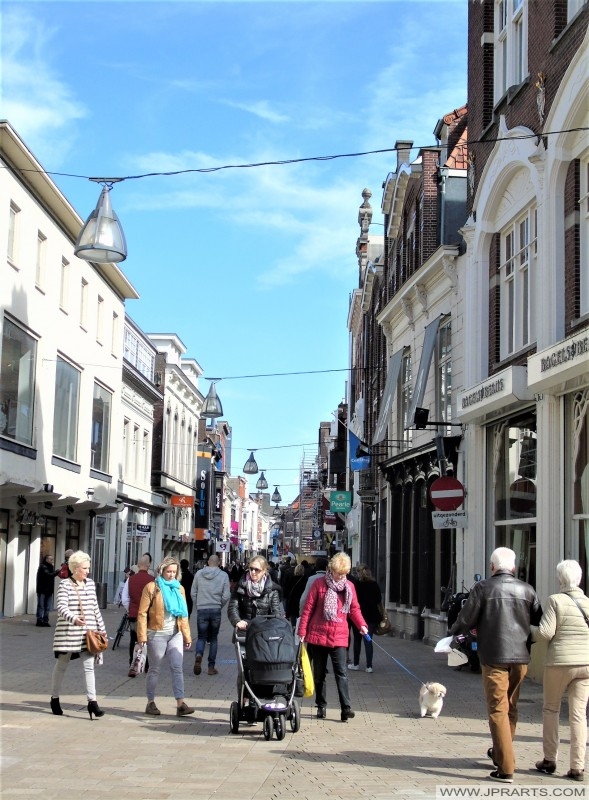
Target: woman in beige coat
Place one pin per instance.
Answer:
(162, 624)
(565, 623)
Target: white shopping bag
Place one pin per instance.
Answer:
(443, 646)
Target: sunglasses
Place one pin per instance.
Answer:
(256, 569)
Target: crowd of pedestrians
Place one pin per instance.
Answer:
(333, 610)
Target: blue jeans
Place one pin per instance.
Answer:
(208, 622)
(159, 646)
(44, 606)
(368, 646)
(338, 655)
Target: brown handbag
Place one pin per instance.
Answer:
(96, 642)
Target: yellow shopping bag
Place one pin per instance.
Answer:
(308, 681)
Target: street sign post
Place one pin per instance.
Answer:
(446, 493)
(445, 520)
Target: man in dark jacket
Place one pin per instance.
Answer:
(131, 597)
(45, 585)
(501, 608)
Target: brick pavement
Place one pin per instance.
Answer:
(387, 751)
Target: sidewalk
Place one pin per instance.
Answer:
(387, 751)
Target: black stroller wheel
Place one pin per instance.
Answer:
(234, 717)
(280, 726)
(295, 717)
(268, 728)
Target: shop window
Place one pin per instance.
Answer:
(17, 383)
(578, 418)
(72, 534)
(512, 448)
(49, 539)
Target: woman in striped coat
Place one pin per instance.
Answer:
(77, 612)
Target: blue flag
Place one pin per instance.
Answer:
(357, 463)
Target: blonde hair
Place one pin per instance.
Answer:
(78, 559)
(340, 562)
(261, 561)
(167, 562)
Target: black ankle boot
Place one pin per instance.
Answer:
(93, 709)
(55, 706)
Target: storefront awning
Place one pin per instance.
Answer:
(380, 431)
(427, 350)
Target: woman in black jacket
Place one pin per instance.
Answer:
(370, 598)
(254, 594)
(45, 584)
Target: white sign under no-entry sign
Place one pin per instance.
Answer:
(449, 519)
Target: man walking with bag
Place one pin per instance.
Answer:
(210, 592)
(501, 608)
(130, 598)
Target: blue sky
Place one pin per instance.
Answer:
(251, 267)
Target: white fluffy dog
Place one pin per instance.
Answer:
(431, 699)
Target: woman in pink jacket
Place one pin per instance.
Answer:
(324, 628)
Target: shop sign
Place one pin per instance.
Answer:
(340, 501)
(561, 362)
(182, 500)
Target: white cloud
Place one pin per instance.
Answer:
(37, 103)
(260, 109)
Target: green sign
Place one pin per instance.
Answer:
(340, 501)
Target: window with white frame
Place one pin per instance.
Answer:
(511, 44)
(444, 371)
(99, 319)
(64, 285)
(17, 383)
(65, 414)
(84, 304)
(13, 226)
(518, 260)
(114, 334)
(40, 263)
(405, 394)
(100, 433)
(584, 235)
(126, 447)
(137, 353)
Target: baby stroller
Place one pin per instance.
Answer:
(267, 665)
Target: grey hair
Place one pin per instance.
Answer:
(78, 559)
(503, 558)
(569, 574)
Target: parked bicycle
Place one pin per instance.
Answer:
(123, 627)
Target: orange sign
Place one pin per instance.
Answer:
(183, 500)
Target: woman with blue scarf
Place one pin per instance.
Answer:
(162, 624)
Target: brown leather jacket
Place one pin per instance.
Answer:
(150, 615)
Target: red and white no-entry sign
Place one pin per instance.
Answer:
(447, 493)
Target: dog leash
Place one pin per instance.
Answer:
(408, 671)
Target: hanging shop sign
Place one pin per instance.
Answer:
(201, 506)
(182, 500)
(340, 501)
